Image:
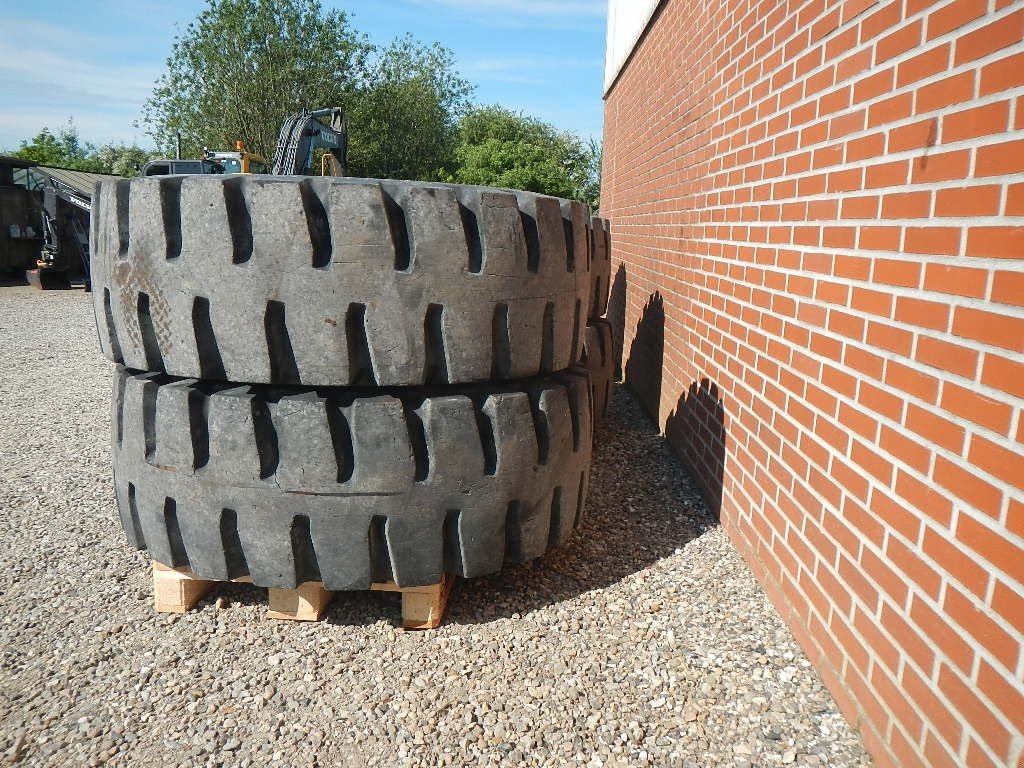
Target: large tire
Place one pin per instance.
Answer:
(599, 360)
(349, 486)
(338, 282)
(600, 267)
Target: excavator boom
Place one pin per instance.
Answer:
(304, 133)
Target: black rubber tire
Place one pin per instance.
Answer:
(338, 282)
(600, 267)
(599, 360)
(349, 486)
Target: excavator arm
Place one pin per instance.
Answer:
(304, 133)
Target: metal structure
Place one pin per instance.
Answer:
(302, 134)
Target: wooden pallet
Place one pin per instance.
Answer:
(176, 590)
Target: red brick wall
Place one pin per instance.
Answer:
(817, 216)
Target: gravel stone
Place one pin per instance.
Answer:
(644, 641)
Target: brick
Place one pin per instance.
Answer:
(865, 148)
(906, 205)
(977, 407)
(900, 41)
(941, 166)
(949, 357)
(932, 426)
(1014, 200)
(880, 239)
(989, 328)
(919, 135)
(925, 64)
(873, 302)
(938, 754)
(906, 450)
(967, 486)
(996, 242)
(923, 313)
(1002, 374)
(1009, 605)
(1007, 695)
(968, 201)
(990, 38)
(979, 624)
(958, 281)
(889, 337)
(993, 546)
(937, 241)
(1008, 288)
(998, 461)
(1002, 75)
(1000, 159)
(874, 85)
(937, 629)
(919, 384)
(907, 637)
(891, 109)
(945, 92)
(967, 124)
(954, 15)
(893, 272)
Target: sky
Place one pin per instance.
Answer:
(96, 61)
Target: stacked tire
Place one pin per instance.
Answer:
(598, 346)
(346, 380)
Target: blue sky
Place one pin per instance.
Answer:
(97, 60)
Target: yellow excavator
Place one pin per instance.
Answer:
(239, 161)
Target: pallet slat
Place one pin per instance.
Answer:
(177, 590)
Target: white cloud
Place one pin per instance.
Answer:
(48, 74)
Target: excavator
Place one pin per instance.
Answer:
(297, 144)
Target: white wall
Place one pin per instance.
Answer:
(627, 19)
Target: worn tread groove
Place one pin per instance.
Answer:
(452, 542)
(266, 439)
(231, 542)
(570, 243)
(532, 235)
(108, 316)
(179, 557)
(170, 211)
(555, 524)
(199, 428)
(149, 395)
(283, 366)
(318, 224)
(239, 220)
(119, 385)
(513, 531)
(399, 228)
(341, 441)
(133, 512)
(360, 362)
(487, 438)
(304, 555)
(580, 499)
(547, 342)
(436, 371)
(211, 365)
(574, 412)
(122, 204)
(540, 426)
(380, 557)
(150, 343)
(501, 343)
(577, 321)
(474, 243)
(418, 443)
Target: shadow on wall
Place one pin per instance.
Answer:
(647, 355)
(617, 315)
(696, 430)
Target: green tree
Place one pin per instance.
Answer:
(61, 149)
(404, 122)
(243, 66)
(498, 147)
(123, 159)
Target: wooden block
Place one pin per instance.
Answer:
(176, 590)
(423, 607)
(306, 602)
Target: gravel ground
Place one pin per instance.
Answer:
(646, 641)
